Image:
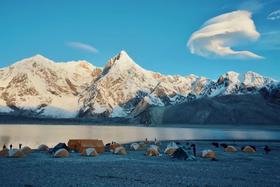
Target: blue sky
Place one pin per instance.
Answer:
(153, 32)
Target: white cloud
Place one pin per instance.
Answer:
(275, 15)
(219, 34)
(82, 46)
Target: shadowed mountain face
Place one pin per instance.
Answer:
(39, 87)
(230, 109)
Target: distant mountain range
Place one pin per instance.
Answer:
(39, 87)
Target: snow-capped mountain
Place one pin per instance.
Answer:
(235, 83)
(38, 85)
(41, 87)
(123, 84)
(125, 89)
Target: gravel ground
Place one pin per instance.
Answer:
(135, 169)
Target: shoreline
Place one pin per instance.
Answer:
(108, 124)
(23, 120)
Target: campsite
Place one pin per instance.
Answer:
(107, 165)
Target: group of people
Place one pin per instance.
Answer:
(11, 146)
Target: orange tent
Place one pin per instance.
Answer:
(113, 146)
(80, 145)
(4, 152)
(26, 150)
(208, 154)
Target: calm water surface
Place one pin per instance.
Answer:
(34, 135)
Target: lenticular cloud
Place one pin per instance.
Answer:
(219, 34)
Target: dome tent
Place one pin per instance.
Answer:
(43, 147)
(171, 148)
(134, 146)
(209, 154)
(26, 150)
(120, 150)
(153, 150)
(249, 149)
(180, 154)
(4, 152)
(59, 146)
(16, 153)
(89, 152)
(230, 149)
(61, 153)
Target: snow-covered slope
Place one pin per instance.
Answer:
(39, 85)
(123, 84)
(235, 83)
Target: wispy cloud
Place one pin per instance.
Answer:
(269, 41)
(82, 46)
(219, 34)
(275, 15)
(270, 33)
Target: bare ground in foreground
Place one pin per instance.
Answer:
(135, 169)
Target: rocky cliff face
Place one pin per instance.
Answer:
(38, 86)
(228, 109)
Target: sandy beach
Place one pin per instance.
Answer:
(136, 169)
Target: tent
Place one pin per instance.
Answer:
(153, 150)
(223, 145)
(208, 154)
(16, 153)
(134, 146)
(215, 144)
(157, 142)
(120, 150)
(146, 141)
(79, 145)
(180, 154)
(60, 153)
(59, 146)
(4, 152)
(249, 149)
(171, 148)
(89, 152)
(113, 146)
(230, 149)
(43, 147)
(142, 145)
(26, 150)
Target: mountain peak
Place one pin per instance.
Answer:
(39, 56)
(36, 59)
(123, 57)
(120, 62)
(229, 77)
(123, 52)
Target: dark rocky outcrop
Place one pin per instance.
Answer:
(230, 109)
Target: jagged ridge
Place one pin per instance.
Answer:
(41, 87)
